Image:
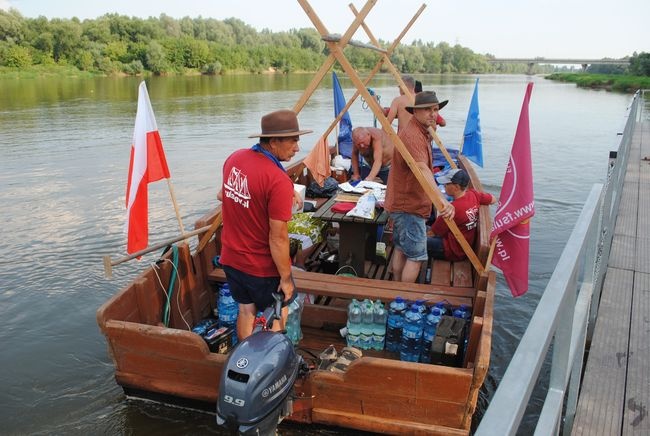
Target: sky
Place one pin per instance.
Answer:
(585, 29)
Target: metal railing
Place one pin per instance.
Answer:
(567, 308)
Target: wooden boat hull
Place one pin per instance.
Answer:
(377, 393)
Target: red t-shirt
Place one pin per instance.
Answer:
(466, 218)
(254, 190)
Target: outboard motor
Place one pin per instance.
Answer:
(258, 378)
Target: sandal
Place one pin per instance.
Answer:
(327, 357)
(348, 355)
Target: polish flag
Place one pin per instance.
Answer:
(516, 206)
(147, 164)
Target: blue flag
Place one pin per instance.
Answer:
(345, 125)
(472, 141)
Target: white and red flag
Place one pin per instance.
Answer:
(147, 164)
(516, 206)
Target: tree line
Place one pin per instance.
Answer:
(113, 44)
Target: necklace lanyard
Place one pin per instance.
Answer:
(266, 153)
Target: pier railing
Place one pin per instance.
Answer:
(566, 312)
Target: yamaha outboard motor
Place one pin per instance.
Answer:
(257, 380)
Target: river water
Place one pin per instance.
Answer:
(64, 152)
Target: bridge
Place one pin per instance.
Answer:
(533, 61)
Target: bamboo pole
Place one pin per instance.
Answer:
(433, 193)
(109, 264)
(406, 91)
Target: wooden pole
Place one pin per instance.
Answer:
(488, 262)
(178, 213)
(375, 70)
(327, 64)
(109, 264)
(433, 193)
(406, 91)
(213, 228)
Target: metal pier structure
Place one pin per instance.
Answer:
(594, 315)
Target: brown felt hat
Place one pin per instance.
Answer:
(280, 124)
(426, 99)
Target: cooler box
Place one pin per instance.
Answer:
(448, 345)
(219, 340)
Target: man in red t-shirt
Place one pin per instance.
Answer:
(257, 197)
(443, 245)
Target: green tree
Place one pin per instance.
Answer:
(640, 64)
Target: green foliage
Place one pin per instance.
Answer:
(640, 64)
(115, 43)
(612, 82)
(15, 56)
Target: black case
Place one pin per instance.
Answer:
(448, 346)
(219, 340)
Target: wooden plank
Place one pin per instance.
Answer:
(347, 287)
(626, 219)
(441, 273)
(623, 252)
(461, 273)
(637, 392)
(602, 396)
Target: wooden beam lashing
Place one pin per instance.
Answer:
(374, 71)
(329, 62)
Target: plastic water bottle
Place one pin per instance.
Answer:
(294, 332)
(354, 323)
(411, 335)
(422, 307)
(394, 325)
(379, 318)
(228, 310)
(441, 307)
(462, 312)
(365, 338)
(430, 327)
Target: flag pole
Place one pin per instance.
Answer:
(178, 213)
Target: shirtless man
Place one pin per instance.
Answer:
(372, 152)
(398, 106)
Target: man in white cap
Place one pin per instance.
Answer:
(408, 204)
(257, 197)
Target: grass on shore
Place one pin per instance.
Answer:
(610, 82)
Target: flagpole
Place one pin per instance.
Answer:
(488, 262)
(178, 213)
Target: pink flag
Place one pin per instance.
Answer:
(516, 206)
(318, 161)
(147, 164)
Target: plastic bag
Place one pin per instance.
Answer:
(365, 207)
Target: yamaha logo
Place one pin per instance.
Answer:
(242, 363)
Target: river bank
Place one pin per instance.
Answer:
(609, 82)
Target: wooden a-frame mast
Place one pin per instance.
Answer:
(336, 54)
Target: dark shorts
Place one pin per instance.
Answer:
(435, 248)
(247, 289)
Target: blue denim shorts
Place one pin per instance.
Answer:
(410, 235)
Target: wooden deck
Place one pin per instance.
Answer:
(615, 392)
